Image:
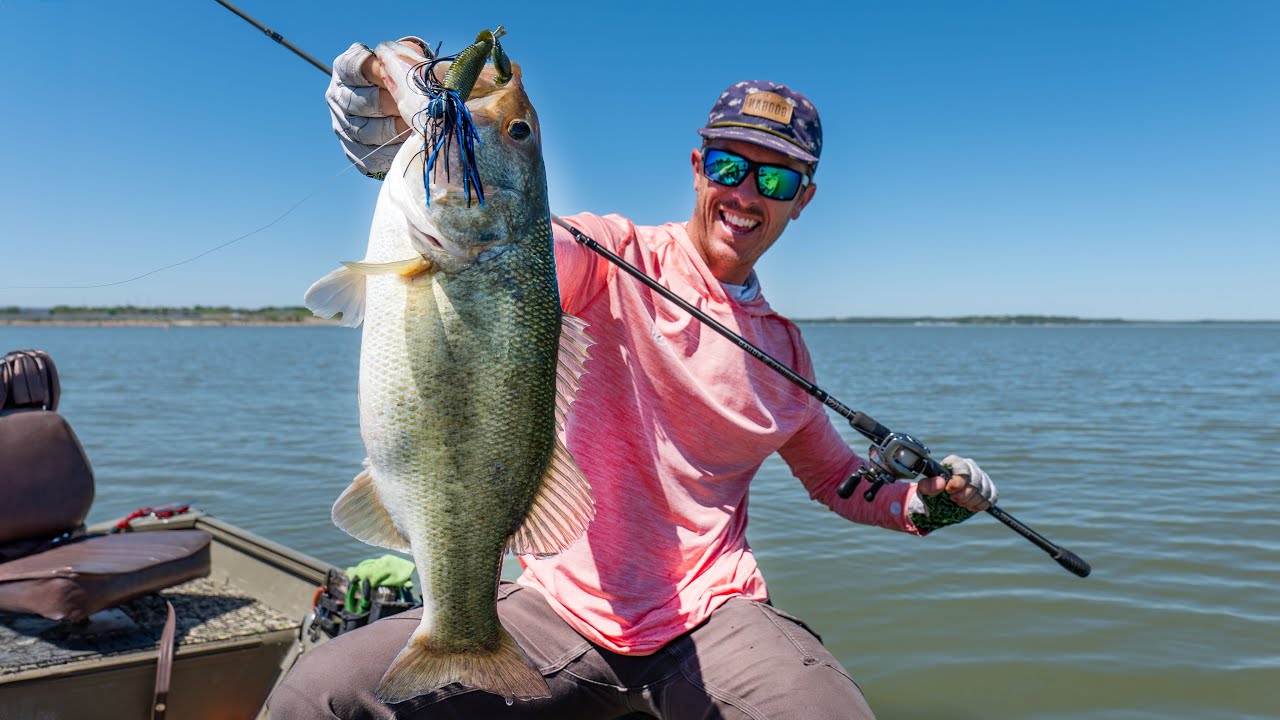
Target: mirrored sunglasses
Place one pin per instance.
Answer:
(772, 181)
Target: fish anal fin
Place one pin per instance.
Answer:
(502, 670)
(341, 291)
(561, 510)
(360, 513)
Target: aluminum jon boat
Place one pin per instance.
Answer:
(83, 611)
(238, 630)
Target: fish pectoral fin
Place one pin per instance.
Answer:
(574, 342)
(360, 513)
(503, 670)
(412, 267)
(341, 291)
(561, 510)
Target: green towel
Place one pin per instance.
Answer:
(387, 571)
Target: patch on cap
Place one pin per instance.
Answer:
(768, 105)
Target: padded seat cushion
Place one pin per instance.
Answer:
(46, 484)
(71, 582)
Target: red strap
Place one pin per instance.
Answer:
(124, 522)
(166, 511)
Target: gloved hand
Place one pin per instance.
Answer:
(390, 571)
(365, 117)
(969, 490)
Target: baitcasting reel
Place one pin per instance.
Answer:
(896, 457)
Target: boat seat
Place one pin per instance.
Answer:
(47, 565)
(71, 582)
(46, 483)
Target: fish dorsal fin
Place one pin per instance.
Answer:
(574, 342)
(563, 506)
(561, 510)
(360, 513)
(341, 291)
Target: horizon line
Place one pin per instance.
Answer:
(1021, 317)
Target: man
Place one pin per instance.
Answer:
(660, 608)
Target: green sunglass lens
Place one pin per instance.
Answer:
(724, 168)
(778, 183)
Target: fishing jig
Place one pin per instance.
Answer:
(446, 120)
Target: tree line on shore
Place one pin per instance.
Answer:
(193, 312)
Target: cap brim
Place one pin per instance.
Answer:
(758, 137)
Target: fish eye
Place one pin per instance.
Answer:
(519, 130)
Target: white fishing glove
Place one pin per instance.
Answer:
(930, 512)
(358, 118)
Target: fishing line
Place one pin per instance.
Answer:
(232, 241)
(880, 436)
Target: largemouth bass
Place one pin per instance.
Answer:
(465, 376)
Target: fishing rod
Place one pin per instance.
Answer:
(276, 36)
(892, 456)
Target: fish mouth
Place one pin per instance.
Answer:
(426, 243)
(429, 246)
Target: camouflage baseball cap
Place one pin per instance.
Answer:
(768, 114)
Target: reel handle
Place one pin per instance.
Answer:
(846, 488)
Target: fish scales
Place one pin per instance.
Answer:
(467, 368)
(459, 393)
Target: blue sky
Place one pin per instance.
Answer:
(1100, 159)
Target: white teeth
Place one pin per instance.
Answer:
(738, 221)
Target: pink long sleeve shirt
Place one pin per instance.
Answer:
(670, 424)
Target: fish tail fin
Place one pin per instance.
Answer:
(503, 670)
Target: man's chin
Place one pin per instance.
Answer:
(723, 260)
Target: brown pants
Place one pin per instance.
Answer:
(748, 660)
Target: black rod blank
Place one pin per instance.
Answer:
(861, 422)
(276, 36)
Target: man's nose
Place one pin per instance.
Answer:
(746, 191)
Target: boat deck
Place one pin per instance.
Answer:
(207, 610)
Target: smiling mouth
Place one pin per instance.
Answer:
(738, 224)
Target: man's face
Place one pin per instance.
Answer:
(732, 226)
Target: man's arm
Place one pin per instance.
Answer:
(365, 117)
(582, 273)
(821, 459)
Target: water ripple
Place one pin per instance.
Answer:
(1148, 450)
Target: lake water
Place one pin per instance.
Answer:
(1151, 451)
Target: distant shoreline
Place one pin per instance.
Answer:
(156, 322)
(199, 316)
(134, 316)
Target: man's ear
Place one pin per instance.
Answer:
(805, 196)
(695, 161)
